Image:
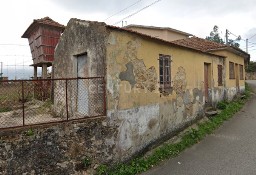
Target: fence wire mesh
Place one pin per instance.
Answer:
(30, 102)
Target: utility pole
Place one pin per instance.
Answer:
(246, 45)
(226, 36)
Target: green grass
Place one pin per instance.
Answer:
(5, 109)
(189, 138)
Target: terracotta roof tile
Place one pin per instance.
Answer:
(48, 21)
(45, 21)
(199, 44)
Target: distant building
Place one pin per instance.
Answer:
(4, 78)
(164, 33)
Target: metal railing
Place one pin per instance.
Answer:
(33, 102)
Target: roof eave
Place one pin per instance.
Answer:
(36, 24)
(161, 40)
(233, 50)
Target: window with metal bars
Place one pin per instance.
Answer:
(165, 72)
(231, 70)
(241, 72)
(220, 75)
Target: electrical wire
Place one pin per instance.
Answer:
(123, 10)
(12, 65)
(251, 42)
(13, 45)
(252, 36)
(137, 11)
(15, 56)
(233, 34)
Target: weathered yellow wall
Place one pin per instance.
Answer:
(162, 34)
(148, 51)
(236, 59)
(134, 102)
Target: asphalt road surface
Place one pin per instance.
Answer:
(231, 150)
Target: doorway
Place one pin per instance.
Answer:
(82, 85)
(237, 76)
(207, 80)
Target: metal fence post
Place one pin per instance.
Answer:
(67, 98)
(23, 103)
(104, 97)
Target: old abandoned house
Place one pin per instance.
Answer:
(153, 86)
(234, 64)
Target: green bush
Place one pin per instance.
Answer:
(5, 109)
(222, 105)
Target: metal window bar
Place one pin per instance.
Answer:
(36, 102)
(165, 71)
(231, 70)
(241, 72)
(219, 75)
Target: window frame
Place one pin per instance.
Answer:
(232, 71)
(241, 72)
(164, 72)
(220, 74)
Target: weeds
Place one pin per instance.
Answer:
(189, 138)
(30, 132)
(5, 109)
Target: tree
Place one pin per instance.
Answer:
(251, 67)
(215, 36)
(234, 43)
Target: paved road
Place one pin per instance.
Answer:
(230, 150)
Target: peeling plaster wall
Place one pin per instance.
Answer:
(138, 114)
(80, 37)
(133, 97)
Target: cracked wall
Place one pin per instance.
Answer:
(138, 114)
(79, 38)
(135, 103)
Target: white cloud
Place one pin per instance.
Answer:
(197, 17)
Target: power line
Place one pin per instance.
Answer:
(252, 36)
(13, 44)
(123, 10)
(12, 65)
(233, 34)
(251, 42)
(15, 56)
(137, 11)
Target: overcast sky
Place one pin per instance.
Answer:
(193, 16)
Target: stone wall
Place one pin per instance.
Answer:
(250, 75)
(58, 149)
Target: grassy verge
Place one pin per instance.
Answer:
(189, 138)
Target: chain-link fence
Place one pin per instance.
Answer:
(30, 102)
